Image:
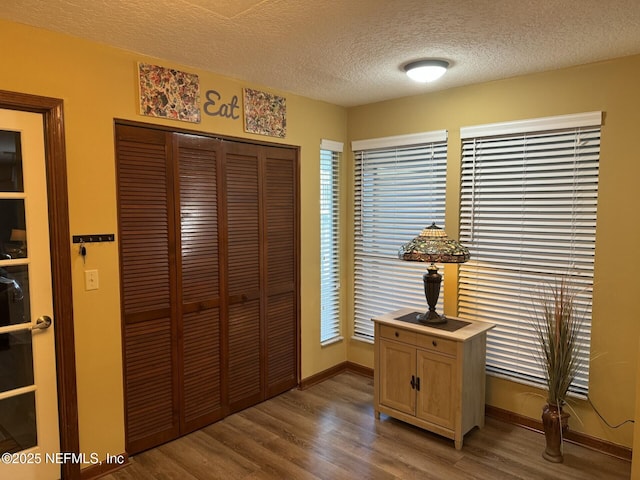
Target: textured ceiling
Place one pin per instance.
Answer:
(350, 52)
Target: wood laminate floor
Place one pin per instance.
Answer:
(329, 432)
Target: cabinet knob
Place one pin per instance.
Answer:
(397, 334)
(434, 343)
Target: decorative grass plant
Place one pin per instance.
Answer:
(557, 326)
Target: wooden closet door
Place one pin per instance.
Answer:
(198, 280)
(208, 234)
(147, 270)
(281, 282)
(244, 273)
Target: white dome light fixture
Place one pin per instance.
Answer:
(425, 71)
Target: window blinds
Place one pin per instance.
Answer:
(330, 154)
(399, 190)
(528, 217)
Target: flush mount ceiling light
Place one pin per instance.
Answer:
(425, 71)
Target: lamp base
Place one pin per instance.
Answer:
(431, 318)
(432, 280)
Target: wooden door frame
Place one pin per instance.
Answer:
(60, 247)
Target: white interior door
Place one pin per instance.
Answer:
(29, 437)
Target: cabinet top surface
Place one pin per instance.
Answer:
(467, 332)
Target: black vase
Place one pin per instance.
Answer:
(555, 423)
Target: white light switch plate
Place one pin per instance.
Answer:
(91, 279)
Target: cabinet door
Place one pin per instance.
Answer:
(397, 368)
(436, 399)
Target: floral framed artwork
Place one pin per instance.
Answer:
(169, 93)
(265, 113)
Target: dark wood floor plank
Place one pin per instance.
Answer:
(328, 431)
(257, 451)
(315, 437)
(155, 464)
(399, 460)
(203, 456)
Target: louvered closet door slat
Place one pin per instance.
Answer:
(144, 222)
(281, 343)
(243, 222)
(201, 374)
(199, 218)
(150, 416)
(244, 355)
(281, 309)
(281, 223)
(199, 280)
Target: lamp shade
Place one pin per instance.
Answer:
(18, 235)
(433, 245)
(425, 71)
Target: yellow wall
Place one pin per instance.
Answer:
(613, 88)
(98, 84)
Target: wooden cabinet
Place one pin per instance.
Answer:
(430, 377)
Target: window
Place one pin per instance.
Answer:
(399, 190)
(528, 217)
(330, 153)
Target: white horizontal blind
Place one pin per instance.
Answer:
(398, 191)
(329, 246)
(528, 217)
